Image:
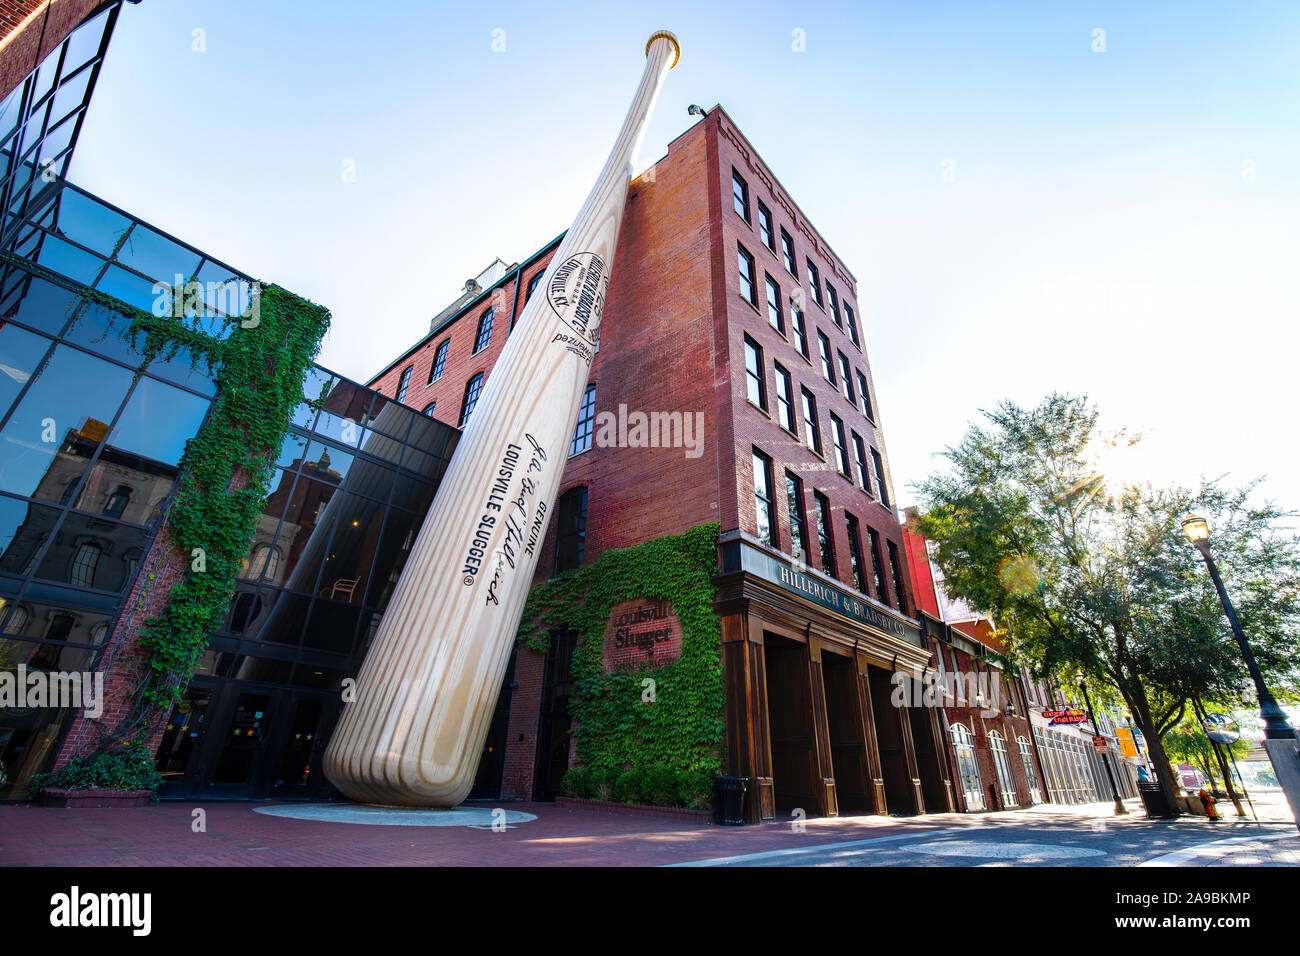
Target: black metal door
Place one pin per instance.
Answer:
(553, 727)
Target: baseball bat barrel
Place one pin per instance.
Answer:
(413, 731)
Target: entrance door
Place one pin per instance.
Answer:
(492, 762)
(790, 725)
(928, 759)
(240, 745)
(848, 748)
(296, 772)
(899, 793)
(553, 727)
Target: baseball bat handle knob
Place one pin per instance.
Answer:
(664, 34)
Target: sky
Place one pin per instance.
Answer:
(1095, 198)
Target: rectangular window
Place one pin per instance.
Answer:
(860, 455)
(846, 380)
(405, 383)
(853, 324)
(764, 508)
(866, 397)
(532, 284)
(814, 282)
(745, 263)
(439, 361)
(787, 253)
(855, 552)
(740, 195)
(784, 399)
(765, 226)
(586, 416)
(880, 477)
(824, 346)
(841, 452)
(825, 541)
(813, 434)
(835, 305)
(484, 337)
(800, 332)
(774, 315)
(798, 525)
(571, 534)
(877, 566)
(896, 572)
(754, 389)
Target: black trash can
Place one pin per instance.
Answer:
(1153, 798)
(729, 800)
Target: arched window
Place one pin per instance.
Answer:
(1031, 772)
(439, 361)
(405, 383)
(17, 620)
(1006, 783)
(428, 409)
(117, 501)
(472, 389)
(484, 337)
(84, 563)
(963, 746)
(571, 533)
(266, 560)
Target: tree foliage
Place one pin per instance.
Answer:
(1092, 576)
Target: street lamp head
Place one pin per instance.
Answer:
(1196, 528)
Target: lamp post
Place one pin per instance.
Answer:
(1110, 774)
(1279, 738)
(1275, 722)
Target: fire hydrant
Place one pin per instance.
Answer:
(1208, 801)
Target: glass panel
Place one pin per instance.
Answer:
(157, 256)
(185, 727)
(158, 421)
(37, 303)
(332, 626)
(20, 353)
(412, 493)
(398, 538)
(295, 763)
(83, 43)
(58, 256)
(72, 93)
(23, 529)
(94, 553)
(131, 289)
(243, 739)
(184, 370)
(59, 422)
(57, 140)
(346, 571)
(305, 532)
(391, 418)
(90, 223)
(346, 400)
(291, 450)
(101, 330)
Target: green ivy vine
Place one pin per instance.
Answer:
(625, 742)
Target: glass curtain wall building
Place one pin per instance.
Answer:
(92, 435)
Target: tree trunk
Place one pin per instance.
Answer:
(1135, 696)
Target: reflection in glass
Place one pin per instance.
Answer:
(89, 222)
(158, 420)
(157, 256)
(92, 552)
(35, 302)
(57, 425)
(20, 353)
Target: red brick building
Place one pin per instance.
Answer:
(726, 305)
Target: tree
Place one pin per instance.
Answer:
(1095, 577)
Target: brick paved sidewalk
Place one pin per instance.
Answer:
(1273, 850)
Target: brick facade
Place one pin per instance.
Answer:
(30, 29)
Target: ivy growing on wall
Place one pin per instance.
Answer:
(225, 477)
(663, 747)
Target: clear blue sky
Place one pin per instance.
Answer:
(1122, 223)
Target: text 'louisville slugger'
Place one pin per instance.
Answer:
(426, 692)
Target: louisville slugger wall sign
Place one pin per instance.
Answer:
(424, 698)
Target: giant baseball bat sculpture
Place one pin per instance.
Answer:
(424, 699)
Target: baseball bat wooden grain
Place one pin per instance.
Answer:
(423, 702)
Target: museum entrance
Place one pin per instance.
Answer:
(899, 794)
(231, 739)
(790, 725)
(848, 746)
(554, 721)
(492, 761)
